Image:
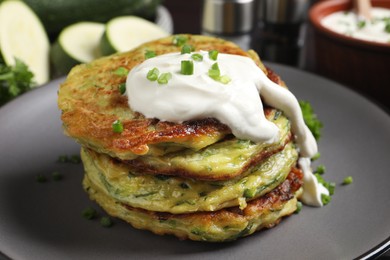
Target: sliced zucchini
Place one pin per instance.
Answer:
(23, 36)
(127, 32)
(77, 43)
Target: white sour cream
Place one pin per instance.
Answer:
(236, 104)
(348, 23)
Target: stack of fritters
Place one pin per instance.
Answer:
(195, 179)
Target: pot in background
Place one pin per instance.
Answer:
(361, 65)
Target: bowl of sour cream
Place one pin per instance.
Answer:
(352, 50)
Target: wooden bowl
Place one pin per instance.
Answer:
(359, 64)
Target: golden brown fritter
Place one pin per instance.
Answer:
(222, 225)
(90, 101)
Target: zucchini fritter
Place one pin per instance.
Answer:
(222, 225)
(90, 101)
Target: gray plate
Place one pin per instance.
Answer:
(43, 221)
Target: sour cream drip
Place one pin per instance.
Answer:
(236, 104)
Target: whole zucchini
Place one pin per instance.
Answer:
(57, 14)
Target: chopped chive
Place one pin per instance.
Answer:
(62, 159)
(121, 71)
(41, 178)
(122, 88)
(89, 213)
(361, 24)
(187, 67)
(347, 180)
(75, 158)
(149, 54)
(164, 78)
(299, 207)
(316, 156)
(106, 222)
(325, 199)
(186, 49)
(224, 79)
(56, 176)
(213, 54)
(153, 74)
(197, 57)
(320, 169)
(179, 40)
(214, 71)
(117, 126)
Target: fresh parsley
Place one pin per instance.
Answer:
(14, 80)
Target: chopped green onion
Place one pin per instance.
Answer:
(224, 79)
(164, 78)
(41, 178)
(325, 199)
(89, 213)
(213, 54)
(316, 156)
(106, 222)
(197, 57)
(320, 169)
(187, 67)
(361, 24)
(121, 71)
(186, 49)
(214, 71)
(117, 126)
(387, 26)
(299, 207)
(122, 88)
(347, 180)
(149, 54)
(56, 176)
(153, 74)
(179, 40)
(62, 159)
(75, 158)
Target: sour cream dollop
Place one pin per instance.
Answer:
(236, 104)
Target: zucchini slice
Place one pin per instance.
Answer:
(127, 32)
(23, 36)
(77, 43)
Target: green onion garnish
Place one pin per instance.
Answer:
(299, 207)
(186, 49)
(179, 40)
(41, 178)
(106, 222)
(316, 156)
(164, 78)
(149, 54)
(320, 169)
(347, 180)
(361, 24)
(214, 71)
(117, 126)
(224, 79)
(197, 57)
(325, 199)
(187, 67)
(122, 88)
(121, 71)
(56, 176)
(213, 54)
(153, 74)
(89, 213)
